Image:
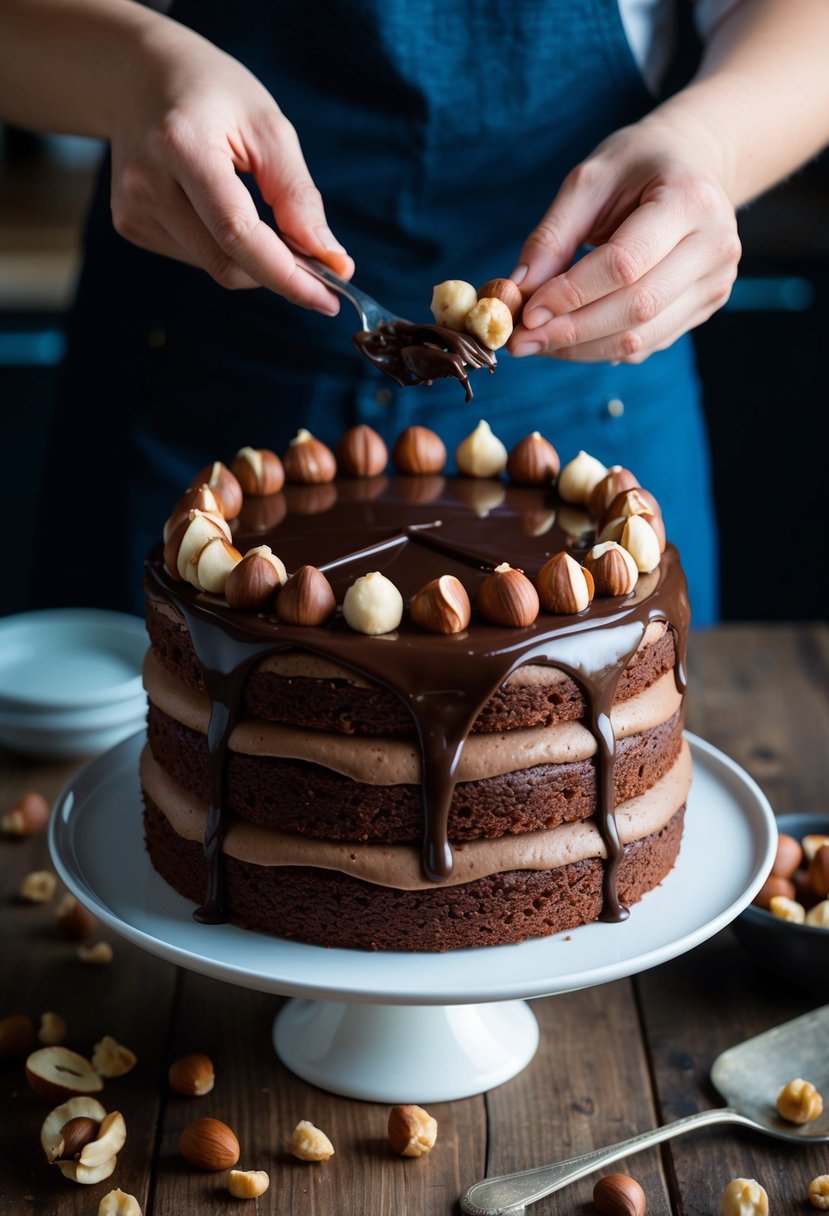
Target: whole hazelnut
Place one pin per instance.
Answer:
(619, 1195)
(819, 871)
(490, 321)
(373, 605)
(533, 461)
(744, 1197)
(253, 583)
(308, 461)
(579, 477)
(442, 606)
(451, 301)
(419, 451)
(774, 885)
(613, 569)
(507, 597)
(306, 598)
(564, 586)
(506, 291)
(224, 484)
(361, 452)
(209, 1144)
(259, 471)
(788, 856)
(615, 481)
(635, 501)
(481, 454)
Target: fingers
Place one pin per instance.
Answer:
(550, 247)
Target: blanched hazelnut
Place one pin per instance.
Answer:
(744, 1197)
(613, 569)
(442, 606)
(533, 461)
(96, 954)
(111, 1059)
(641, 542)
(787, 909)
(412, 1130)
(507, 597)
(451, 301)
(818, 1192)
(30, 814)
(38, 887)
(579, 477)
(309, 1143)
(490, 321)
(564, 586)
(818, 916)
(308, 460)
(481, 454)
(259, 471)
(799, 1101)
(247, 1184)
(372, 604)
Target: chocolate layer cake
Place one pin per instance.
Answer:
(448, 782)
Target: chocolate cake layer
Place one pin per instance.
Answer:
(301, 797)
(324, 907)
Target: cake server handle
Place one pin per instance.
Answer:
(509, 1194)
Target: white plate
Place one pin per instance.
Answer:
(69, 658)
(68, 741)
(96, 839)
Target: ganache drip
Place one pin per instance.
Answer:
(413, 354)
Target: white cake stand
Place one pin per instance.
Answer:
(393, 1027)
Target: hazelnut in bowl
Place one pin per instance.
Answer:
(786, 927)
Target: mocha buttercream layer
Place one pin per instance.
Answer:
(399, 865)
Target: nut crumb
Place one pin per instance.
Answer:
(799, 1101)
(308, 1143)
(111, 1059)
(744, 1197)
(247, 1184)
(53, 1029)
(118, 1203)
(97, 955)
(38, 887)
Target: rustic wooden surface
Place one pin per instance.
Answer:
(614, 1060)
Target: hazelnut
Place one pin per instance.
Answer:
(507, 597)
(799, 1101)
(75, 1135)
(30, 814)
(818, 916)
(306, 599)
(641, 542)
(103, 1146)
(533, 461)
(224, 484)
(614, 482)
(787, 909)
(481, 454)
(214, 563)
(812, 843)
(258, 471)
(563, 586)
(412, 1131)
(819, 871)
(579, 478)
(192, 1075)
(490, 321)
(818, 1192)
(788, 856)
(442, 606)
(308, 460)
(73, 919)
(119, 1203)
(188, 539)
(60, 1130)
(506, 291)
(613, 569)
(308, 1143)
(82, 1140)
(56, 1073)
(771, 887)
(253, 583)
(96, 954)
(247, 1184)
(452, 301)
(17, 1035)
(419, 451)
(372, 604)
(635, 501)
(111, 1059)
(361, 452)
(744, 1197)
(619, 1195)
(208, 1144)
(53, 1029)
(38, 887)
(197, 498)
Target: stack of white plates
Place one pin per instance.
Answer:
(70, 681)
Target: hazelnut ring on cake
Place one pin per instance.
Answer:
(398, 710)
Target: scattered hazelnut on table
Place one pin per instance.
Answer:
(111, 1059)
(373, 605)
(74, 920)
(247, 1184)
(819, 1192)
(82, 1140)
(744, 1197)
(209, 1144)
(57, 1073)
(96, 954)
(30, 814)
(619, 1195)
(192, 1075)
(412, 1131)
(53, 1029)
(309, 1143)
(119, 1203)
(17, 1035)
(38, 887)
(799, 1101)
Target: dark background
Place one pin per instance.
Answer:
(763, 360)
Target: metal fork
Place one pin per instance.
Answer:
(371, 313)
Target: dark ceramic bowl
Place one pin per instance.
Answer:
(799, 953)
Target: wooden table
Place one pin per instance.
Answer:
(613, 1061)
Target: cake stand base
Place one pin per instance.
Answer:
(405, 1053)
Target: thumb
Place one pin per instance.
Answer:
(288, 187)
(551, 246)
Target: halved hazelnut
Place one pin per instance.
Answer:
(441, 606)
(214, 563)
(30, 814)
(507, 597)
(224, 484)
(259, 471)
(187, 540)
(533, 461)
(306, 599)
(56, 1073)
(209, 1144)
(564, 586)
(253, 583)
(119, 1203)
(361, 452)
(308, 460)
(641, 542)
(418, 451)
(247, 1184)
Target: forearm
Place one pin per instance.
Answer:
(66, 65)
(758, 107)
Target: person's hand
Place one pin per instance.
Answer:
(664, 252)
(180, 138)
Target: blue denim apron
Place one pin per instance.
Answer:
(438, 133)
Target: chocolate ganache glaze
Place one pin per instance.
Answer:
(414, 353)
(414, 529)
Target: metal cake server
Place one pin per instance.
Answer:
(748, 1077)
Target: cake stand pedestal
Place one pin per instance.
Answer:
(393, 1027)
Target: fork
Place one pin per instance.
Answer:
(372, 314)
